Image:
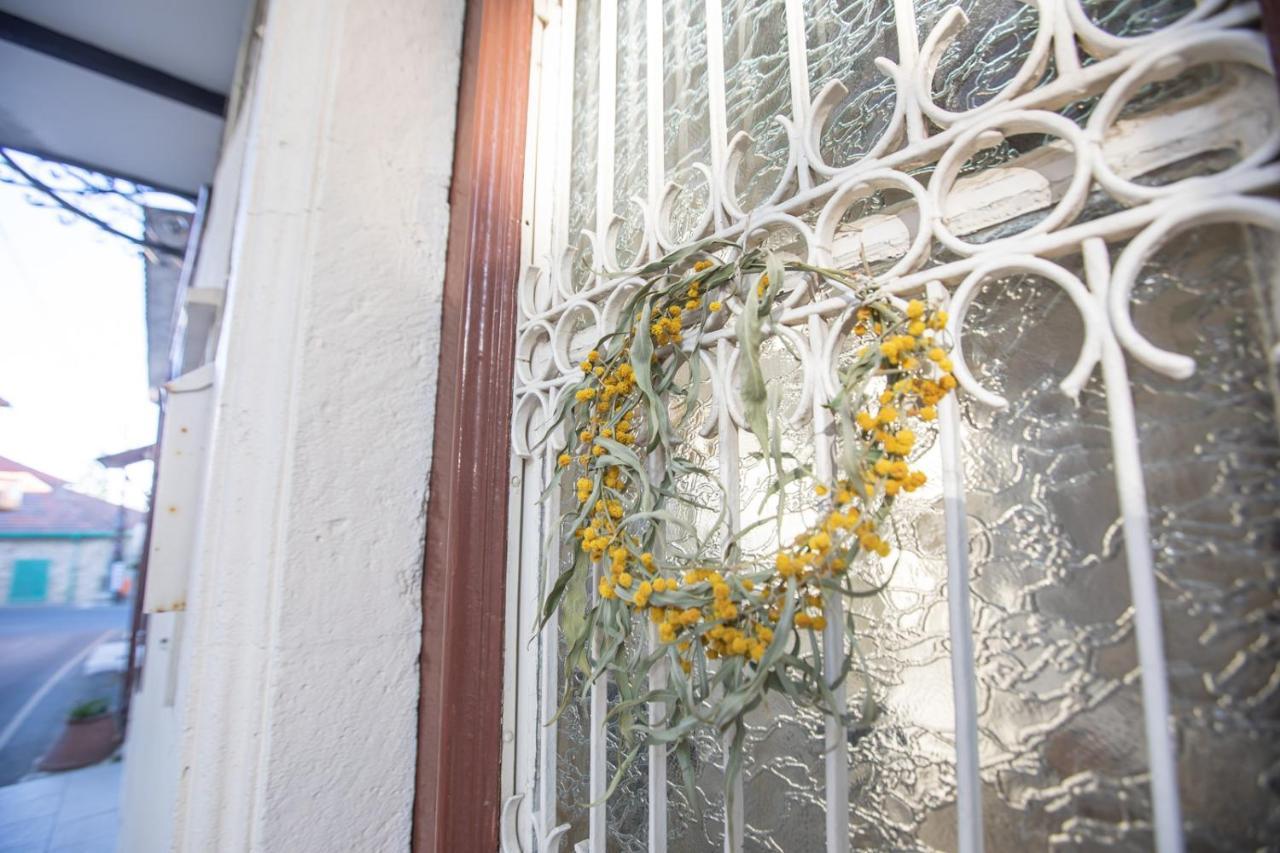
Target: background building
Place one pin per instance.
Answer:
(57, 545)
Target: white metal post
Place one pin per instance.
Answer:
(1148, 631)
(964, 682)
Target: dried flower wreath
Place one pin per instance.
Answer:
(731, 627)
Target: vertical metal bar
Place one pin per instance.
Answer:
(716, 111)
(963, 675)
(904, 14)
(549, 673)
(1148, 631)
(1066, 57)
(798, 67)
(653, 104)
(657, 711)
(597, 819)
(542, 142)
(608, 95)
(727, 452)
(657, 177)
(517, 575)
(553, 61)
(523, 744)
(563, 120)
(837, 744)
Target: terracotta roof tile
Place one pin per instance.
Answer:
(61, 510)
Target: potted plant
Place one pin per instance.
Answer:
(89, 737)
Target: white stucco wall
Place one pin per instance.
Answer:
(297, 691)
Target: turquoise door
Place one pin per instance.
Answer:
(30, 581)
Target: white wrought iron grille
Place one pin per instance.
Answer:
(1077, 647)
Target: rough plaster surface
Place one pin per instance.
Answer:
(299, 687)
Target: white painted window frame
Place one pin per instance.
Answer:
(1058, 176)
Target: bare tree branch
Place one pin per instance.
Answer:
(53, 195)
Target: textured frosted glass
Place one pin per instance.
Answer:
(686, 118)
(631, 135)
(758, 89)
(783, 790)
(985, 55)
(784, 374)
(573, 757)
(783, 793)
(694, 827)
(1212, 464)
(1061, 743)
(782, 785)
(1136, 17)
(844, 38)
(628, 809)
(586, 133)
(902, 779)
(902, 785)
(689, 414)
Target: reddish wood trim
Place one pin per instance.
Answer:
(460, 710)
(1271, 27)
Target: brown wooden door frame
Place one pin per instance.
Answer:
(1271, 26)
(456, 803)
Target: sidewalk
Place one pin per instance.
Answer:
(72, 812)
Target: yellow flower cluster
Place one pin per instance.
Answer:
(609, 384)
(717, 611)
(667, 327)
(919, 385)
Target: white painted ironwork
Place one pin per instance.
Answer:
(957, 210)
(729, 461)
(968, 781)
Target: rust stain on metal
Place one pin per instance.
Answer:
(175, 607)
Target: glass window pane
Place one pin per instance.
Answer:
(686, 118)
(758, 89)
(1059, 706)
(985, 55)
(1212, 464)
(631, 133)
(585, 143)
(1136, 17)
(844, 38)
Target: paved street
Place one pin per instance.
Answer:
(42, 654)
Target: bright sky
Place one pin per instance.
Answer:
(73, 348)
